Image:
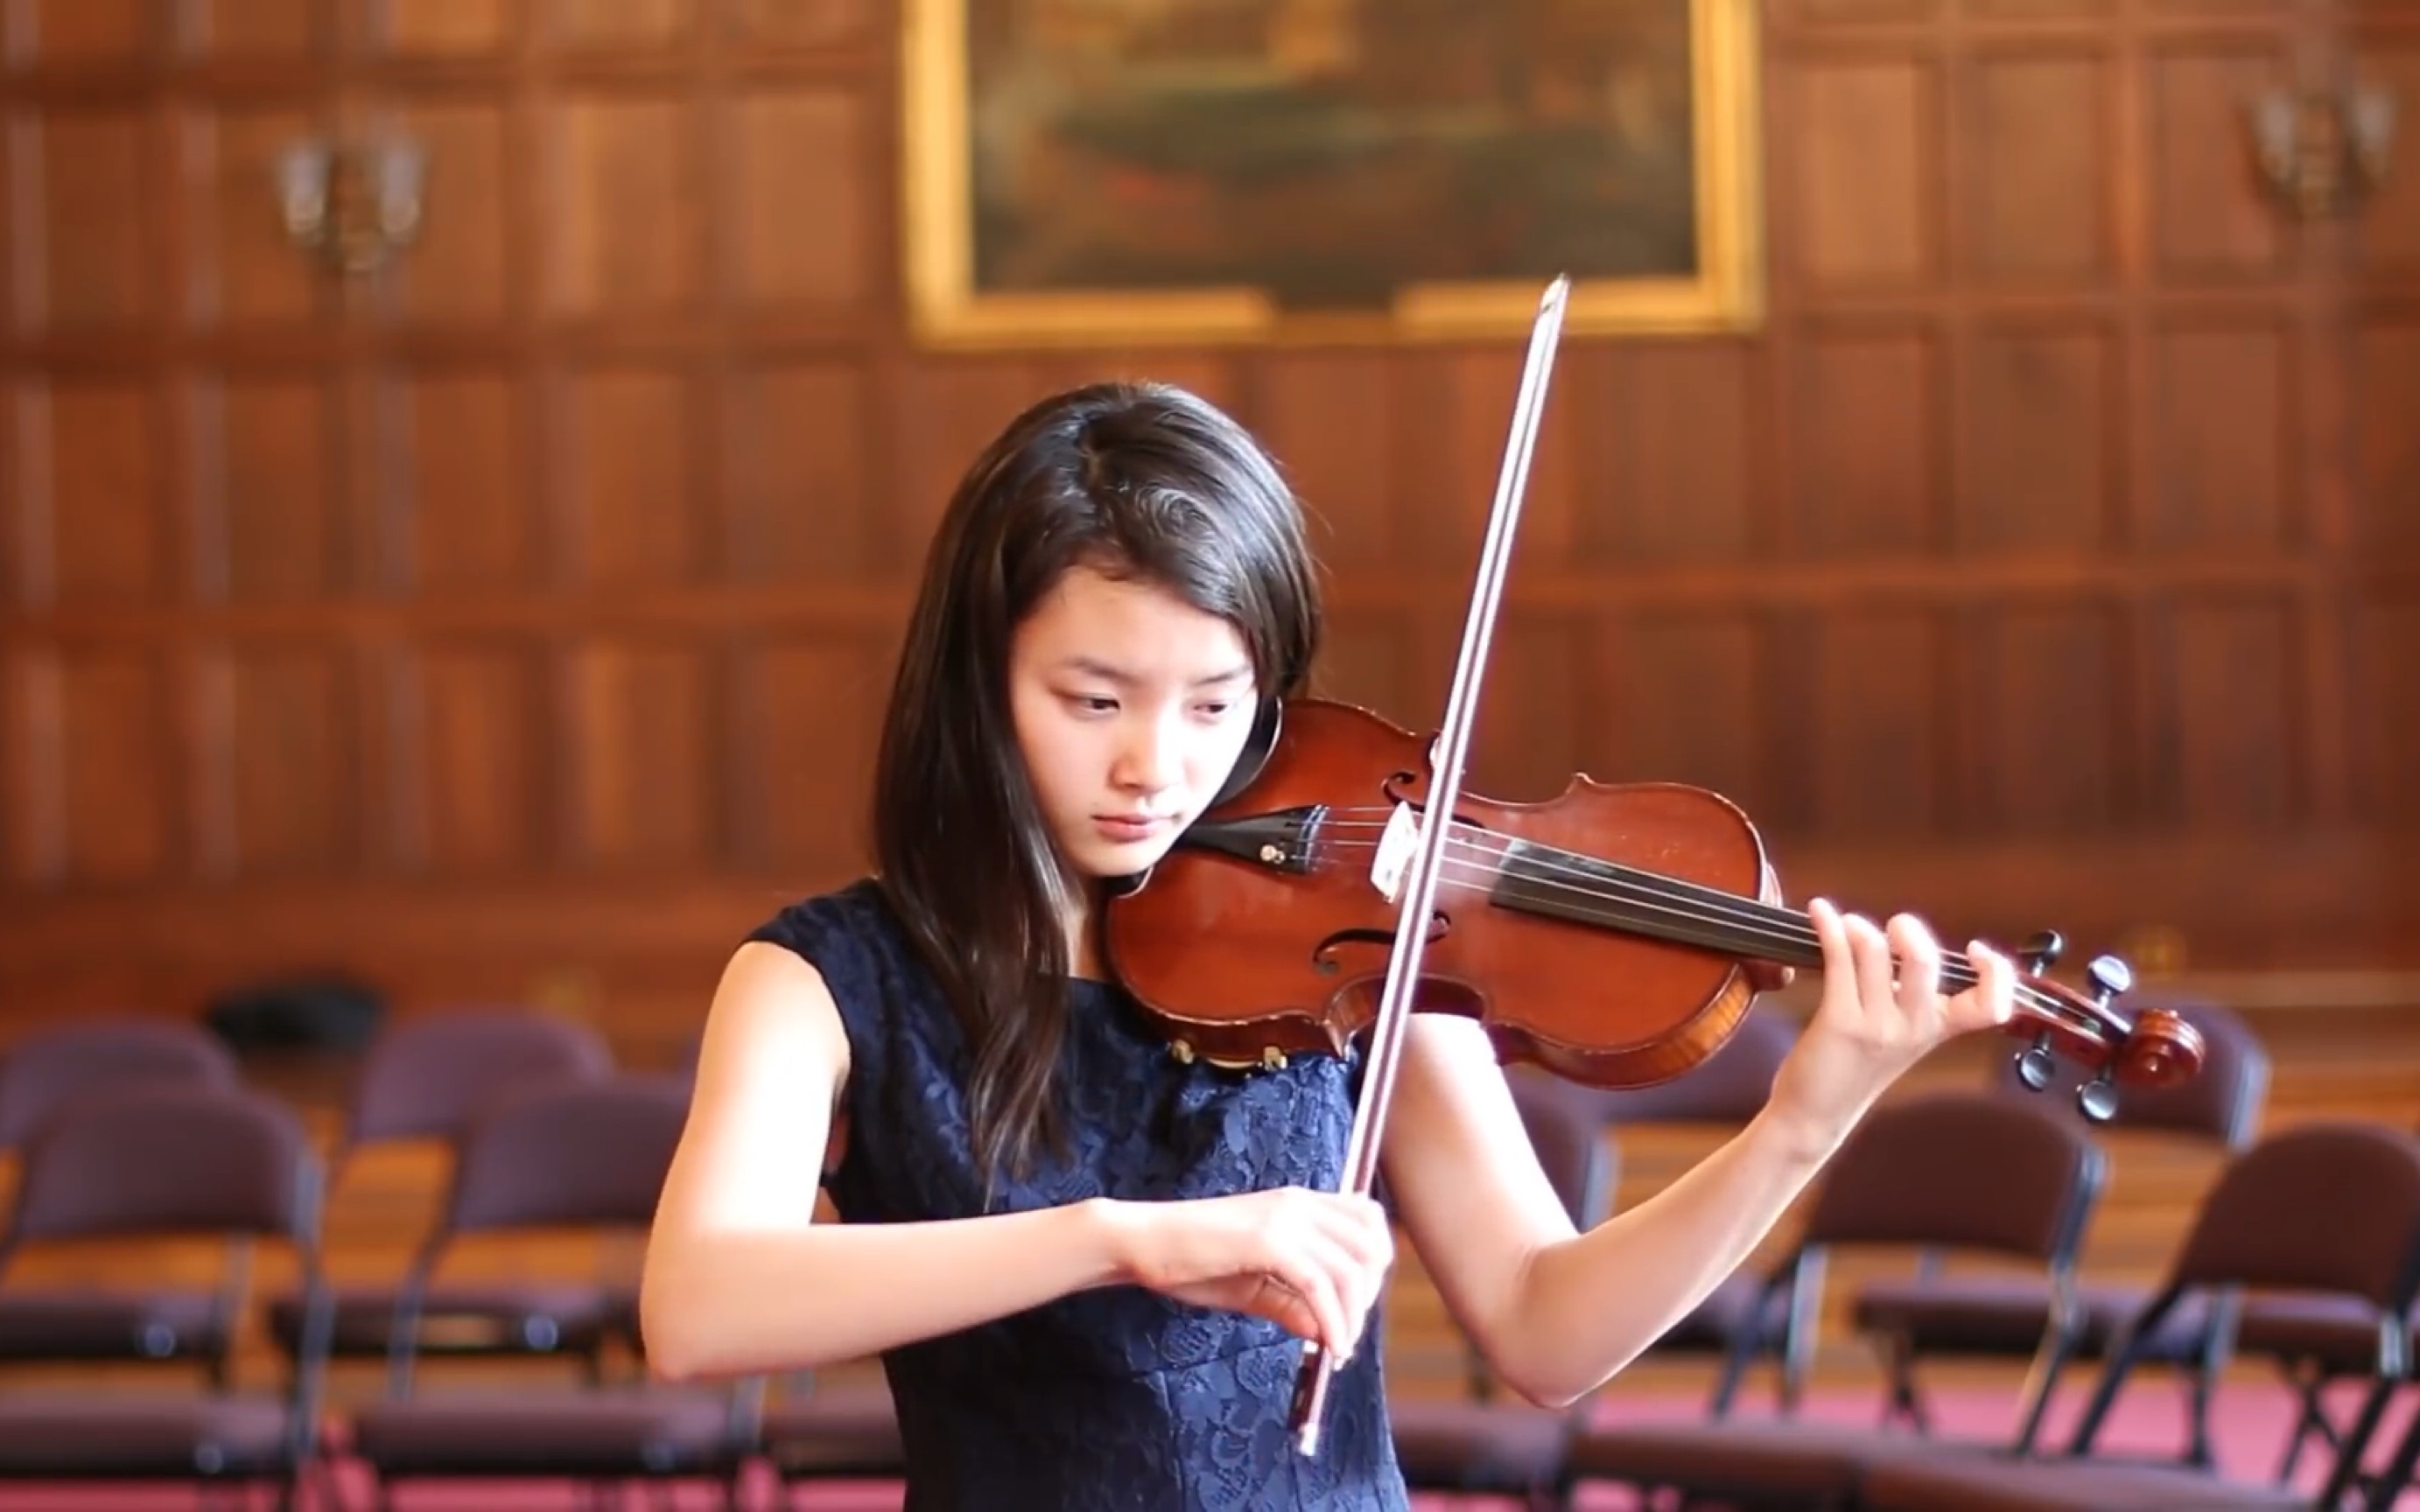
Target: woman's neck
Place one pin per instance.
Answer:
(1083, 946)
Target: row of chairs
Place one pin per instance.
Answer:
(545, 1133)
(140, 1130)
(1987, 1174)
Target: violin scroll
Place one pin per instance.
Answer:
(2156, 1047)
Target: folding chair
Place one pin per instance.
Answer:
(2314, 1341)
(53, 1064)
(52, 1068)
(425, 1079)
(144, 1163)
(1935, 1315)
(1480, 1444)
(1958, 1171)
(2327, 1208)
(579, 1155)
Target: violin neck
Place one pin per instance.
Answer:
(1578, 888)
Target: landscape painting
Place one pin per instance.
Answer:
(1206, 169)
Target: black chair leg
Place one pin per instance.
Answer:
(2030, 1431)
(2401, 1471)
(2310, 1421)
(1904, 1400)
(2200, 1385)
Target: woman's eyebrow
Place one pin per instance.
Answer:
(1095, 666)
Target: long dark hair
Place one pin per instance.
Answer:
(1137, 480)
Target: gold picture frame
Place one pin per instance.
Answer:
(1719, 214)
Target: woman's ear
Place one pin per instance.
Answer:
(1257, 745)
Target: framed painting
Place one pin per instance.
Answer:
(1081, 172)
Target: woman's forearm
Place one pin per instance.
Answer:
(740, 1303)
(1587, 1306)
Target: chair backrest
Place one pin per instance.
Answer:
(1731, 1085)
(569, 1153)
(1961, 1170)
(428, 1076)
(45, 1069)
(164, 1158)
(2330, 1206)
(1566, 1126)
(2224, 1101)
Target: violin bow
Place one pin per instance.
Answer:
(1417, 891)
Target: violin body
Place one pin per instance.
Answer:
(1242, 950)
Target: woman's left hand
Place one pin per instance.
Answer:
(1882, 1010)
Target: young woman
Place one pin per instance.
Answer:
(1085, 1264)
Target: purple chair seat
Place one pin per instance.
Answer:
(1816, 1464)
(1974, 1483)
(1479, 1446)
(590, 1433)
(835, 1432)
(2339, 1333)
(81, 1435)
(481, 1318)
(1715, 1321)
(2006, 1314)
(105, 1325)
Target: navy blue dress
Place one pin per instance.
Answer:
(1115, 1397)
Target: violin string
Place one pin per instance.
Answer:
(1575, 863)
(1766, 923)
(1750, 921)
(1955, 975)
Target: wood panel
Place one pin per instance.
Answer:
(86, 253)
(1862, 176)
(2042, 451)
(2037, 130)
(1613, 408)
(1865, 405)
(2224, 438)
(90, 521)
(476, 713)
(269, 502)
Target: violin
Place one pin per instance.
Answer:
(1609, 935)
(1615, 935)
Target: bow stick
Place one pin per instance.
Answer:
(1417, 895)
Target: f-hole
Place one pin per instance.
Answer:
(1324, 955)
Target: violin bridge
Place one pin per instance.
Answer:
(1396, 845)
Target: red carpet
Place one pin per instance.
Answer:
(2251, 1426)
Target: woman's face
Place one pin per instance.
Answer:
(1131, 707)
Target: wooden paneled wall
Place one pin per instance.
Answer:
(515, 619)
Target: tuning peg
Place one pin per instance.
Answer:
(2111, 978)
(2097, 1099)
(2040, 952)
(2036, 1065)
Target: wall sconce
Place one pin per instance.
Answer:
(2322, 151)
(351, 206)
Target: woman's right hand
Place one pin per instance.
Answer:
(1313, 1262)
